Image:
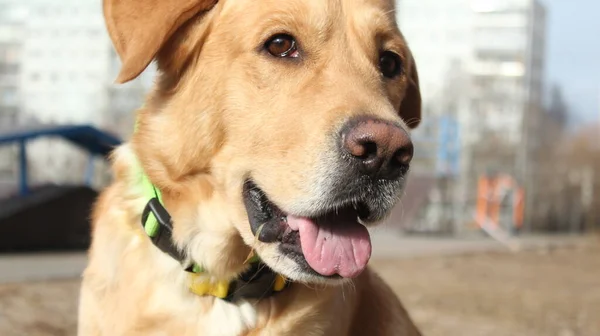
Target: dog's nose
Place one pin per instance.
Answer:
(378, 148)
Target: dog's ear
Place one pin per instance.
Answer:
(410, 108)
(139, 28)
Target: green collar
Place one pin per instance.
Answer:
(259, 281)
(150, 224)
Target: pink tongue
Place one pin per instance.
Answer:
(343, 247)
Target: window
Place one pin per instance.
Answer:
(42, 10)
(8, 96)
(10, 55)
(9, 69)
(8, 115)
(35, 53)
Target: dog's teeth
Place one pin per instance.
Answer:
(360, 221)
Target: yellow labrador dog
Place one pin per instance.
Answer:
(276, 133)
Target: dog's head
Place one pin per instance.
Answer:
(280, 125)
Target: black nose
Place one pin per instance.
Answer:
(378, 148)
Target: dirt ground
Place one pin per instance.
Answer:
(549, 292)
(543, 292)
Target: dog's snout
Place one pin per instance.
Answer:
(378, 148)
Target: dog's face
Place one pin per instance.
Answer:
(296, 113)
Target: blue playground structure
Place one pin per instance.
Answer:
(50, 217)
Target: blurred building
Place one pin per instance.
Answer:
(125, 99)
(65, 61)
(482, 62)
(11, 45)
(429, 206)
(507, 71)
(438, 147)
(508, 80)
(66, 68)
(439, 34)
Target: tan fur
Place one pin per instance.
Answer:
(222, 110)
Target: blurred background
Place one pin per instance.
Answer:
(495, 235)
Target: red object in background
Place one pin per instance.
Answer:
(492, 192)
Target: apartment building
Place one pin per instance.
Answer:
(481, 61)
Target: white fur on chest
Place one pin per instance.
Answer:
(226, 319)
(219, 318)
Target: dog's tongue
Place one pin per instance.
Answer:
(334, 245)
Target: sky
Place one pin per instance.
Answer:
(573, 55)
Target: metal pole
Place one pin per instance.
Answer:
(23, 185)
(530, 111)
(89, 175)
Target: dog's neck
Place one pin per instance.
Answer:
(257, 282)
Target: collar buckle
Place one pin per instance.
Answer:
(158, 226)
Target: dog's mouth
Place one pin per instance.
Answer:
(331, 244)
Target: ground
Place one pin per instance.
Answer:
(544, 291)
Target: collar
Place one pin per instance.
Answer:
(258, 282)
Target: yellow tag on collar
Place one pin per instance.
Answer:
(201, 284)
(279, 284)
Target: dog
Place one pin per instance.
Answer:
(275, 134)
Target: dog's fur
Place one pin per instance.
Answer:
(222, 110)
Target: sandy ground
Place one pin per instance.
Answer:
(545, 292)
(548, 291)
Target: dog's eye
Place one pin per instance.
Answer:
(282, 45)
(390, 64)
